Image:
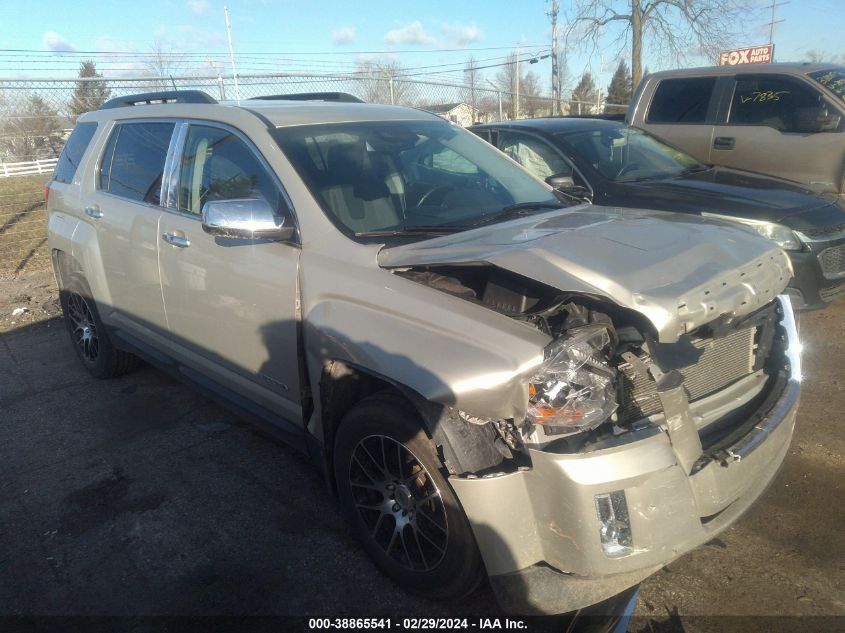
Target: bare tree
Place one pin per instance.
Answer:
(31, 131)
(164, 61)
(822, 57)
(506, 79)
(675, 28)
(385, 83)
(472, 77)
(530, 95)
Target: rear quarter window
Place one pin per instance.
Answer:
(133, 161)
(73, 151)
(681, 100)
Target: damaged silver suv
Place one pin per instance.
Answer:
(565, 398)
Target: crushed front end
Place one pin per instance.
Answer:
(633, 451)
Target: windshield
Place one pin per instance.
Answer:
(405, 176)
(833, 80)
(624, 154)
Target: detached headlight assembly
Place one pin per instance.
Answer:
(574, 389)
(781, 235)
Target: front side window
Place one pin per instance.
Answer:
(533, 154)
(772, 101)
(73, 151)
(133, 161)
(626, 154)
(217, 165)
(681, 100)
(403, 176)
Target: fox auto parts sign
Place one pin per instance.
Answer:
(753, 55)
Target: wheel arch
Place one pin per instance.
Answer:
(462, 447)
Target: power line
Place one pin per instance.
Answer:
(265, 53)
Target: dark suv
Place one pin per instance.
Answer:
(615, 165)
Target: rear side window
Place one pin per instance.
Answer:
(133, 162)
(681, 100)
(73, 151)
(777, 102)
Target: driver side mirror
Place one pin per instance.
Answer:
(816, 119)
(244, 218)
(566, 184)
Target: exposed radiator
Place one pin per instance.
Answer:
(723, 361)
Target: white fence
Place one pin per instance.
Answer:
(26, 168)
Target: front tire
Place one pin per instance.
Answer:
(391, 486)
(88, 334)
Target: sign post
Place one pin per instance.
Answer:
(751, 55)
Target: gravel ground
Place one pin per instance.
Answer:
(138, 496)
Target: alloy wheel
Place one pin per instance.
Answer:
(398, 503)
(83, 327)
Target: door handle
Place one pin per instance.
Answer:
(724, 142)
(176, 240)
(94, 211)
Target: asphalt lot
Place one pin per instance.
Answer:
(137, 496)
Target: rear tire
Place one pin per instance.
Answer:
(88, 334)
(391, 486)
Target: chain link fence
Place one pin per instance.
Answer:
(37, 115)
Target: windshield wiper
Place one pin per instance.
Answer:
(695, 169)
(413, 230)
(516, 210)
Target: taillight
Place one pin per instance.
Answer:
(46, 192)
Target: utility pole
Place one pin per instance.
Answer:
(775, 5)
(555, 77)
(232, 56)
(516, 100)
(499, 94)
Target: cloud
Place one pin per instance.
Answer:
(54, 42)
(199, 7)
(411, 33)
(343, 35)
(461, 34)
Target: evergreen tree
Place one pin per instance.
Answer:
(620, 89)
(584, 95)
(88, 95)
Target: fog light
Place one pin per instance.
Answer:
(614, 525)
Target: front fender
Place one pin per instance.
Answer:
(446, 349)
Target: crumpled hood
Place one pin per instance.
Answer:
(679, 271)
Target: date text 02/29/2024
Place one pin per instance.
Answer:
(416, 624)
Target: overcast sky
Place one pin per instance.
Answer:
(332, 36)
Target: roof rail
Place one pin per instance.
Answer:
(151, 98)
(343, 97)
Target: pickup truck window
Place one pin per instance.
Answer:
(405, 175)
(681, 100)
(133, 162)
(217, 165)
(773, 101)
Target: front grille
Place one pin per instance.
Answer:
(827, 230)
(832, 292)
(723, 361)
(832, 261)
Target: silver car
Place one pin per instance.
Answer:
(564, 398)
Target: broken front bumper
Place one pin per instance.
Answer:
(539, 531)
